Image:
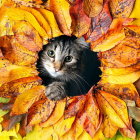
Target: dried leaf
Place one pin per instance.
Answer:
(60, 8)
(93, 8)
(40, 111)
(75, 107)
(80, 21)
(120, 55)
(121, 8)
(124, 91)
(25, 100)
(18, 86)
(100, 24)
(55, 116)
(90, 118)
(114, 108)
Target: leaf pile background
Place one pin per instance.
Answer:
(109, 111)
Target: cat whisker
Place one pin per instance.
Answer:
(81, 78)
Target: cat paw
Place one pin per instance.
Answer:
(56, 91)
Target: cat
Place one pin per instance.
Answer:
(67, 67)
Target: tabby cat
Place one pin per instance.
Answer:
(67, 67)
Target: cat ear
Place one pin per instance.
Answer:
(81, 41)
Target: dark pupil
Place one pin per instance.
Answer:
(51, 53)
(68, 58)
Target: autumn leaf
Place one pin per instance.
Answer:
(100, 24)
(10, 72)
(120, 55)
(16, 87)
(108, 128)
(93, 8)
(25, 100)
(40, 111)
(114, 108)
(80, 21)
(121, 8)
(90, 118)
(55, 116)
(124, 91)
(60, 9)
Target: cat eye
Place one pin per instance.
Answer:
(68, 58)
(51, 53)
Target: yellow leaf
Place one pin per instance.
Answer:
(24, 101)
(15, 14)
(55, 116)
(60, 8)
(114, 108)
(63, 125)
(135, 12)
(49, 16)
(41, 20)
(122, 79)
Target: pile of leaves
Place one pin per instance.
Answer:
(112, 27)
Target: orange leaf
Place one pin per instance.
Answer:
(121, 8)
(114, 108)
(80, 21)
(90, 118)
(120, 55)
(75, 107)
(25, 100)
(126, 91)
(55, 116)
(18, 86)
(100, 24)
(60, 8)
(92, 8)
(40, 111)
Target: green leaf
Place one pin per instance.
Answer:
(4, 100)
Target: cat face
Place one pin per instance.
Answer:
(61, 58)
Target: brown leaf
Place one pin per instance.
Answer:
(40, 111)
(80, 21)
(124, 54)
(91, 117)
(60, 8)
(92, 8)
(25, 100)
(18, 86)
(100, 24)
(121, 8)
(75, 107)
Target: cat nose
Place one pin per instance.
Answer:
(57, 66)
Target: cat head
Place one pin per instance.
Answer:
(61, 57)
